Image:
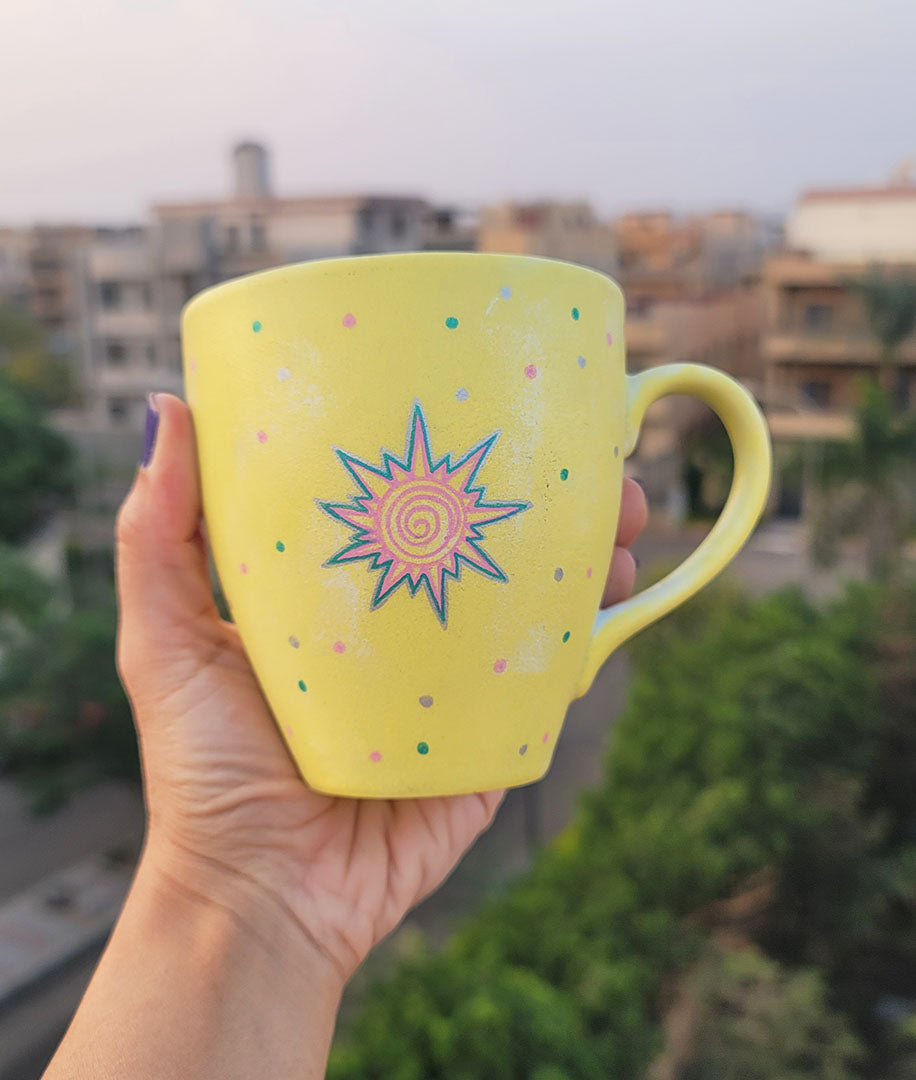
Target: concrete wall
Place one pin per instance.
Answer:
(858, 227)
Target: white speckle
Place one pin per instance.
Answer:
(535, 652)
(492, 304)
(283, 374)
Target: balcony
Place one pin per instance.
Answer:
(813, 424)
(127, 322)
(791, 345)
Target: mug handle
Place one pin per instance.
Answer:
(750, 441)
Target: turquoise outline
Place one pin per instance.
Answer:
(345, 556)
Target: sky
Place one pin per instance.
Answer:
(107, 106)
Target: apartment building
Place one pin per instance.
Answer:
(817, 343)
(554, 230)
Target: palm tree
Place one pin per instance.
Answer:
(867, 484)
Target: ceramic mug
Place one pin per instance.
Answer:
(411, 469)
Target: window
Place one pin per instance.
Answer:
(366, 219)
(146, 295)
(115, 354)
(816, 394)
(398, 225)
(258, 236)
(232, 239)
(151, 354)
(818, 317)
(903, 392)
(110, 295)
(118, 409)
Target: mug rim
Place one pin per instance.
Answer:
(235, 284)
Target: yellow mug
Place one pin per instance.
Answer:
(411, 469)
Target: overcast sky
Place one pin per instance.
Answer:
(109, 105)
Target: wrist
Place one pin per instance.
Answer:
(225, 914)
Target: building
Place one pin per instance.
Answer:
(693, 296)
(37, 273)
(568, 231)
(817, 344)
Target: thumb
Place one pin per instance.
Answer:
(168, 619)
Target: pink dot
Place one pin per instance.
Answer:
(545, 736)
(499, 667)
(375, 756)
(610, 338)
(193, 365)
(244, 568)
(349, 320)
(339, 647)
(288, 730)
(262, 436)
(531, 371)
(588, 572)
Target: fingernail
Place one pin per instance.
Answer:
(152, 429)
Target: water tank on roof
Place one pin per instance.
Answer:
(249, 160)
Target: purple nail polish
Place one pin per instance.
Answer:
(152, 429)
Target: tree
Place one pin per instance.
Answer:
(47, 380)
(867, 486)
(757, 1021)
(890, 308)
(36, 465)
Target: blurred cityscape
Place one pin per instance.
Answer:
(89, 325)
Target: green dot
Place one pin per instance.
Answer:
(281, 546)
(256, 326)
(451, 322)
(302, 686)
(566, 637)
(575, 313)
(564, 474)
(422, 748)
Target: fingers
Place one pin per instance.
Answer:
(163, 580)
(634, 513)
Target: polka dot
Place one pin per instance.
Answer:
(262, 436)
(283, 374)
(339, 647)
(302, 686)
(422, 748)
(505, 292)
(281, 546)
(256, 326)
(558, 574)
(609, 337)
(523, 749)
(564, 474)
(349, 320)
(451, 322)
(500, 666)
(288, 730)
(426, 701)
(462, 394)
(616, 451)
(294, 641)
(566, 637)
(375, 756)
(531, 371)
(575, 314)
(581, 361)
(244, 568)
(193, 364)
(588, 572)
(545, 736)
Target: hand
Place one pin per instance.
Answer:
(229, 816)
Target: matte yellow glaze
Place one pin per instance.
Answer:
(498, 378)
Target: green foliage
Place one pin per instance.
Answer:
(36, 465)
(890, 307)
(760, 743)
(867, 485)
(757, 1020)
(46, 380)
(64, 718)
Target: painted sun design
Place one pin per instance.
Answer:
(417, 519)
